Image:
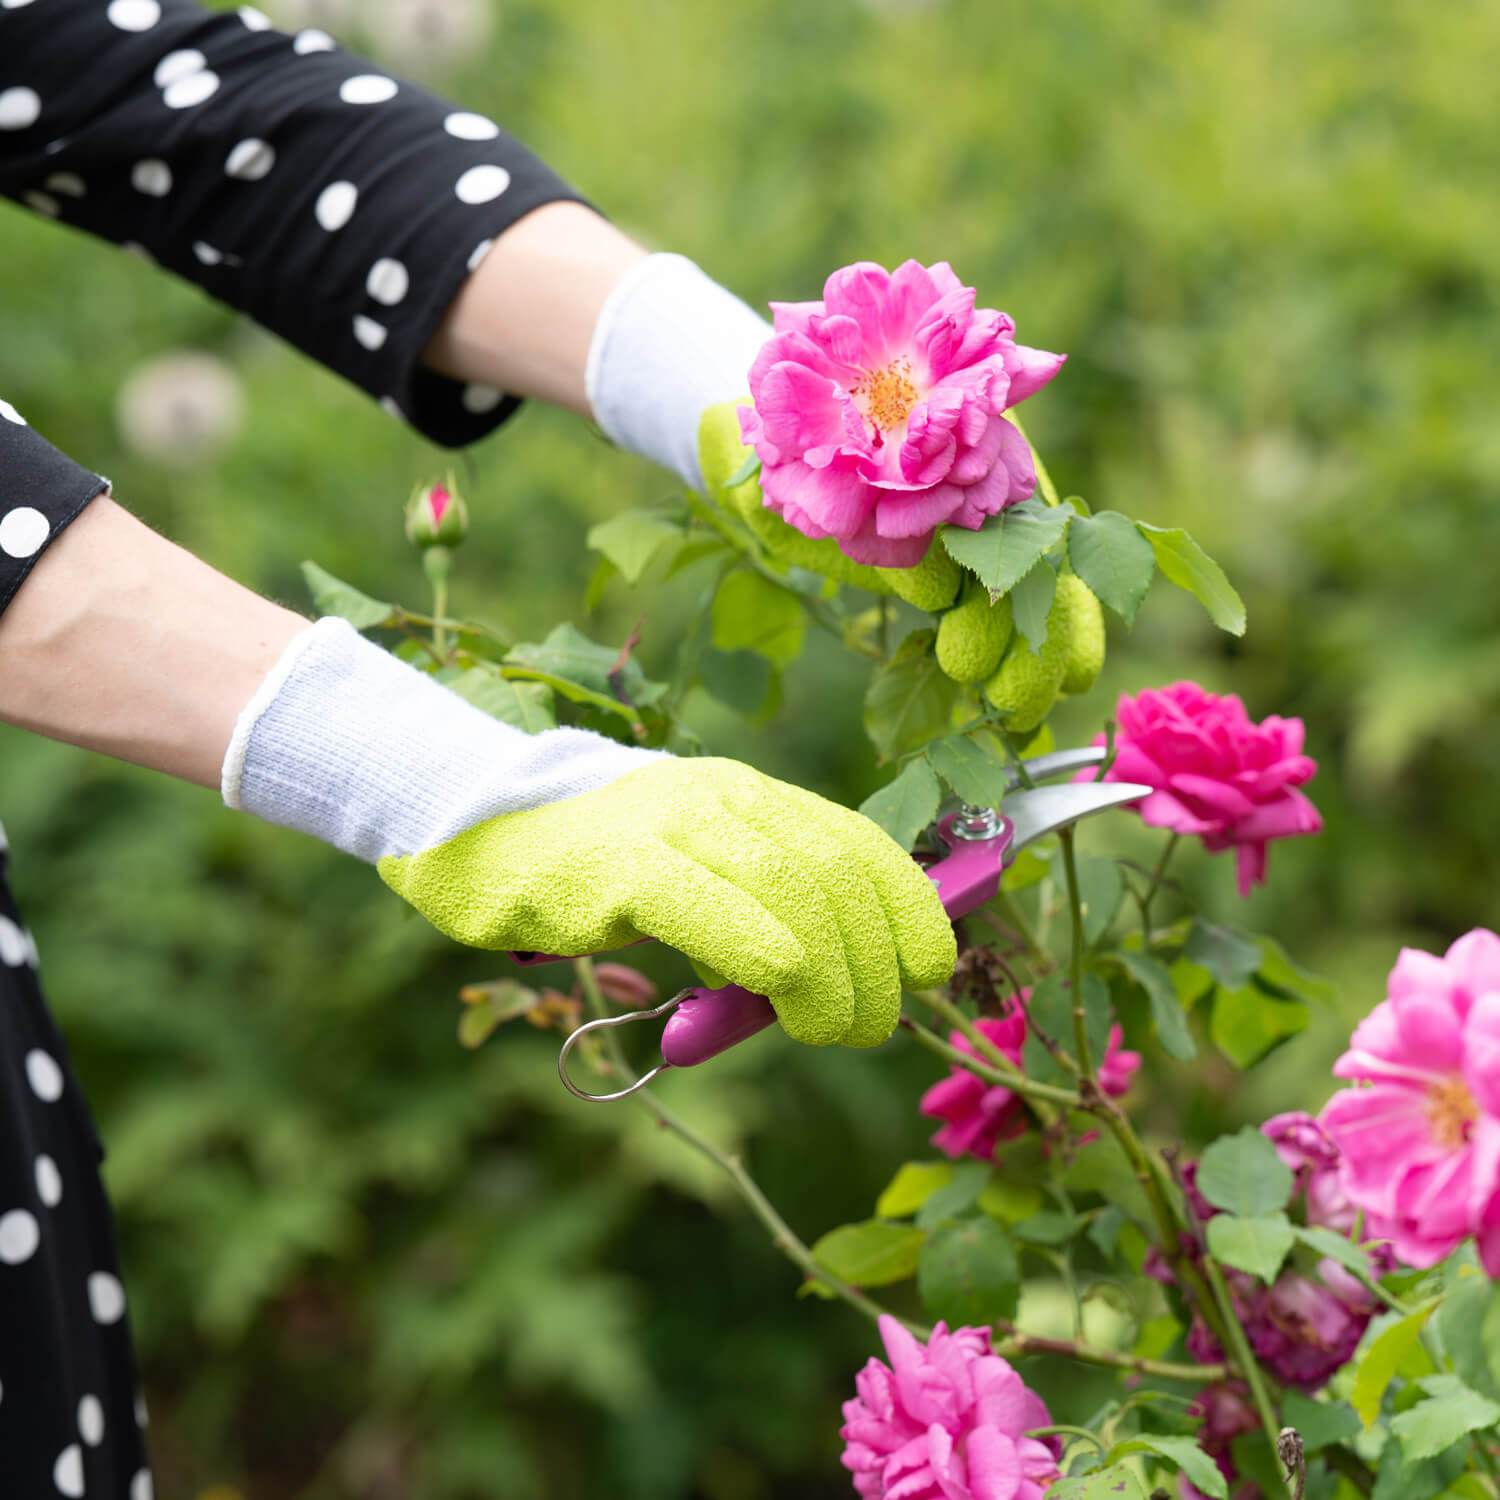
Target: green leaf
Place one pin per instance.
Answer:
(1380, 1361)
(1335, 1247)
(1009, 544)
(914, 1183)
(1200, 1469)
(1278, 973)
(1319, 1424)
(1243, 1175)
(1030, 600)
(959, 1194)
(1167, 1014)
(633, 538)
(527, 705)
(751, 613)
(582, 670)
(1007, 1199)
(740, 680)
(1259, 1244)
(1191, 568)
(333, 596)
(747, 470)
(906, 805)
(1247, 1023)
(1114, 559)
(1118, 1482)
(975, 775)
(1051, 1012)
(1047, 1229)
(968, 1273)
(909, 698)
(874, 1253)
(1104, 1231)
(1229, 956)
(1435, 1425)
(1100, 890)
(1460, 1323)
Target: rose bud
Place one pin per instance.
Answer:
(436, 516)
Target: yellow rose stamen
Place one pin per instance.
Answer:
(1451, 1112)
(886, 396)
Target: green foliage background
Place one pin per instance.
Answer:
(364, 1263)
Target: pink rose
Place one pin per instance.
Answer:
(1420, 1139)
(876, 411)
(980, 1115)
(945, 1420)
(1217, 773)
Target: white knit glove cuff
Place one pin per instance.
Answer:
(345, 742)
(670, 342)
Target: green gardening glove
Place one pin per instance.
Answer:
(772, 887)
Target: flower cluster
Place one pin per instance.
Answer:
(945, 1420)
(1420, 1138)
(1216, 772)
(877, 411)
(980, 1115)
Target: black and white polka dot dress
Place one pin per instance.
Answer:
(342, 208)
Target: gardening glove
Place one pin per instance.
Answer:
(669, 341)
(567, 842)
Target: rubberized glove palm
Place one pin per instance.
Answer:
(771, 886)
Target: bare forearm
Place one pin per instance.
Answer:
(122, 642)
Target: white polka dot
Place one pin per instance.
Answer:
(11, 415)
(250, 160)
(481, 184)
(391, 407)
(43, 203)
(336, 204)
(22, 531)
(44, 1076)
(106, 1297)
(13, 4)
(20, 1234)
(184, 93)
(479, 252)
(152, 177)
(69, 184)
(142, 1416)
(13, 951)
(177, 65)
(469, 127)
(133, 15)
(367, 88)
(369, 333)
(206, 253)
(31, 953)
(49, 1187)
(313, 40)
(387, 282)
(254, 20)
(19, 108)
(479, 398)
(67, 1472)
(139, 251)
(91, 1421)
(140, 1486)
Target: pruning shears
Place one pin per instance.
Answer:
(966, 854)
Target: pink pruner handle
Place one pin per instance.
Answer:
(708, 1022)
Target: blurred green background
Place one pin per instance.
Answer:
(365, 1264)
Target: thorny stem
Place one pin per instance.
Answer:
(1063, 1429)
(1075, 958)
(1015, 1344)
(782, 1235)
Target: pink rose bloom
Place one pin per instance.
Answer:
(945, 1421)
(1421, 1139)
(980, 1115)
(877, 411)
(1309, 1151)
(1216, 772)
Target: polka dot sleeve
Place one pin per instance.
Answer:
(338, 205)
(41, 490)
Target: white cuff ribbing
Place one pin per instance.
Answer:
(670, 342)
(343, 741)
